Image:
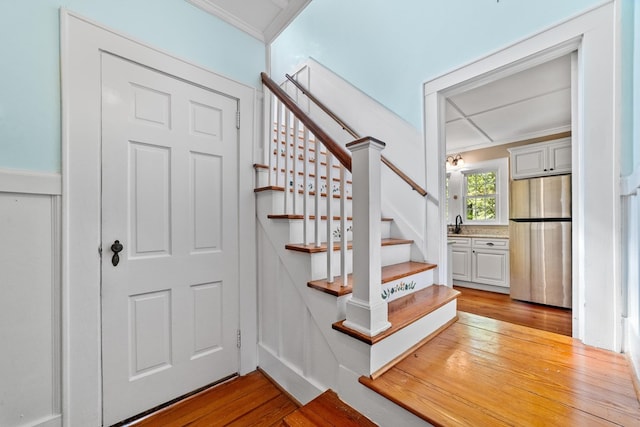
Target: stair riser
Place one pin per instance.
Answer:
(392, 254)
(276, 204)
(296, 232)
(280, 180)
(406, 285)
(390, 348)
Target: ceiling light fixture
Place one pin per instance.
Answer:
(456, 160)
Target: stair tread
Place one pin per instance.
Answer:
(389, 273)
(322, 217)
(406, 310)
(327, 410)
(312, 249)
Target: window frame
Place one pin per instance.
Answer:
(501, 168)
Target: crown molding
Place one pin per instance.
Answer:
(229, 18)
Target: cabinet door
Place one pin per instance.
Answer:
(560, 157)
(490, 267)
(461, 263)
(528, 162)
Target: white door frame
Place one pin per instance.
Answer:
(596, 151)
(82, 42)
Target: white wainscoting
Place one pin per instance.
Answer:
(30, 302)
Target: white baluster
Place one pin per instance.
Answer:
(367, 312)
(273, 134)
(287, 140)
(343, 225)
(305, 191)
(328, 181)
(316, 198)
(277, 143)
(296, 130)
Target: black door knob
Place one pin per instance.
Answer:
(116, 248)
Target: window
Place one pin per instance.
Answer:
(480, 196)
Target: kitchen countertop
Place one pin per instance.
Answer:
(479, 236)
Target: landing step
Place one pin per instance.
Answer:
(406, 310)
(312, 249)
(323, 217)
(389, 273)
(326, 410)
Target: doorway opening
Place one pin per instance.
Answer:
(512, 130)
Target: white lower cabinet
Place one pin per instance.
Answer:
(461, 258)
(481, 260)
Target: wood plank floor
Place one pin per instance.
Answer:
(502, 307)
(485, 372)
(251, 400)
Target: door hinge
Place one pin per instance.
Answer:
(238, 119)
(100, 250)
(239, 343)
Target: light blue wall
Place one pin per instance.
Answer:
(629, 73)
(635, 112)
(29, 74)
(389, 48)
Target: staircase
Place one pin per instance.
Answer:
(338, 300)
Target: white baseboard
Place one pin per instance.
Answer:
(51, 421)
(481, 287)
(28, 182)
(288, 377)
(632, 349)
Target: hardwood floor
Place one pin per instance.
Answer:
(478, 372)
(251, 400)
(485, 372)
(502, 307)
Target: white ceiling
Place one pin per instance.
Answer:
(263, 19)
(531, 103)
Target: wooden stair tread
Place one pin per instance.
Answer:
(406, 310)
(389, 273)
(327, 410)
(323, 217)
(312, 249)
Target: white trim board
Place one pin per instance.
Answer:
(596, 185)
(82, 43)
(28, 182)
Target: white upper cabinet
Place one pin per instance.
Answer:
(542, 159)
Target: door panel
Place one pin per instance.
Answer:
(169, 195)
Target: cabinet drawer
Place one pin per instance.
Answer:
(460, 242)
(491, 243)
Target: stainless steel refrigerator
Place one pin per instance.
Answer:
(540, 240)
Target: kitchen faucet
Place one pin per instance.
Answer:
(458, 224)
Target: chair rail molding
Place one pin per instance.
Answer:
(30, 182)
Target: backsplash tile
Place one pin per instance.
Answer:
(485, 230)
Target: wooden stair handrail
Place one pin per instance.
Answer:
(414, 185)
(334, 148)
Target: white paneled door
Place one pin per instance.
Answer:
(169, 197)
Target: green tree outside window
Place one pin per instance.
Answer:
(480, 196)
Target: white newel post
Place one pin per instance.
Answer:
(366, 310)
